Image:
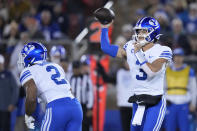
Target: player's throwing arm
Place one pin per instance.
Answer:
(106, 18)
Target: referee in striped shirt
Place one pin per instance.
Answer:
(82, 89)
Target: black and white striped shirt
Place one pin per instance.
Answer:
(82, 89)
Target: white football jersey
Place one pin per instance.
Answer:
(141, 82)
(49, 79)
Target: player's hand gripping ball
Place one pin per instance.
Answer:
(104, 15)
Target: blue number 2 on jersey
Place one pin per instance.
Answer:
(56, 75)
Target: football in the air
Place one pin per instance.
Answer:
(104, 15)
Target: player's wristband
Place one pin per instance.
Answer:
(111, 50)
(141, 58)
(148, 71)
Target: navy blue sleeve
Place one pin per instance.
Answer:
(111, 50)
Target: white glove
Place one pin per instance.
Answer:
(29, 121)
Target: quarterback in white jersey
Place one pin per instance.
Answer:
(147, 62)
(141, 81)
(47, 81)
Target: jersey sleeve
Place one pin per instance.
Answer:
(165, 53)
(128, 45)
(125, 46)
(26, 75)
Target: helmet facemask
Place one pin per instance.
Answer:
(142, 36)
(20, 62)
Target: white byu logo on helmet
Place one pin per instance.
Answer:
(153, 22)
(29, 48)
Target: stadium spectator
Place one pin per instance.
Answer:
(180, 93)
(191, 22)
(163, 20)
(139, 13)
(180, 39)
(32, 28)
(75, 10)
(4, 11)
(169, 9)
(180, 7)
(125, 35)
(60, 18)
(151, 6)
(33, 12)
(8, 96)
(2, 25)
(17, 8)
(49, 28)
(11, 33)
(193, 43)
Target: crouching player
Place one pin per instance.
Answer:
(47, 81)
(147, 62)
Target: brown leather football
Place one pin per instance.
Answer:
(104, 15)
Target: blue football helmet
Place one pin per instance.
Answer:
(57, 53)
(85, 59)
(32, 53)
(152, 27)
(58, 50)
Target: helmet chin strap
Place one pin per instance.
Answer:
(20, 62)
(142, 43)
(146, 39)
(36, 62)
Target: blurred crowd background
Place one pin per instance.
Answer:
(59, 22)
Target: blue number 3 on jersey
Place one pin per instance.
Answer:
(139, 76)
(143, 77)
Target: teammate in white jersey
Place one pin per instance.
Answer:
(147, 62)
(47, 82)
